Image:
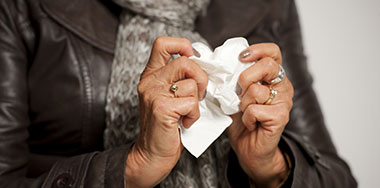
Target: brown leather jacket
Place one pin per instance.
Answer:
(55, 61)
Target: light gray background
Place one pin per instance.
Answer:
(342, 39)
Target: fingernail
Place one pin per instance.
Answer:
(245, 54)
(238, 90)
(204, 96)
(196, 53)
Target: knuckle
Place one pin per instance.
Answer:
(141, 86)
(184, 65)
(265, 61)
(197, 114)
(250, 110)
(182, 59)
(147, 95)
(192, 85)
(141, 90)
(275, 47)
(243, 79)
(202, 85)
(194, 103)
(202, 77)
(159, 42)
(248, 116)
(283, 114)
(271, 64)
(254, 90)
(245, 121)
(186, 41)
(158, 106)
(278, 51)
(270, 68)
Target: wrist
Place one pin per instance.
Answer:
(134, 169)
(143, 171)
(269, 172)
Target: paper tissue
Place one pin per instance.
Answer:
(223, 68)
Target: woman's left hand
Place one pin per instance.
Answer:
(256, 131)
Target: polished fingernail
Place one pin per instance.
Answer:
(204, 96)
(245, 54)
(196, 53)
(238, 90)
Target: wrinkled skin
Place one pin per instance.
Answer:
(254, 133)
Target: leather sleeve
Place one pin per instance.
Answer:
(305, 139)
(97, 169)
(314, 157)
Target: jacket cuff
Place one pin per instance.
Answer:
(238, 178)
(300, 161)
(306, 160)
(234, 173)
(108, 168)
(98, 169)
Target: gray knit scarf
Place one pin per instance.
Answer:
(141, 22)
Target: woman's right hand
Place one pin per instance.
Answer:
(158, 146)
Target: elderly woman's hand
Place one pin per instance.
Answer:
(158, 147)
(256, 131)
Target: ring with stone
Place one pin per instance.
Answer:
(272, 94)
(280, 76)
(174, 89)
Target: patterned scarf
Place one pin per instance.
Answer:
(141, 22)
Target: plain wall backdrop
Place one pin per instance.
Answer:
(342, 39)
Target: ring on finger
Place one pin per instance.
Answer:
(174, 89)
(272, 94)
(280, 76)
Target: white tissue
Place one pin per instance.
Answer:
(223, 69)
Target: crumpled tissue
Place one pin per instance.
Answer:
(223, 69)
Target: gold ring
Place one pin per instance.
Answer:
(174, 89)
(272, 94)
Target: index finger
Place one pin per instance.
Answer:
(164, 47)
(185, 68)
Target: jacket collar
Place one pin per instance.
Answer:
(92, 20)
(231, 18)
(96, 21)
